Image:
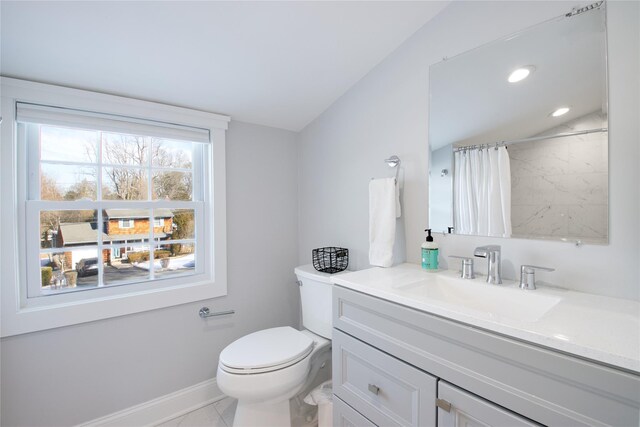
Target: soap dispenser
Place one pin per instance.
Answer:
(429, 253)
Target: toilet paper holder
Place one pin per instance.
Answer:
(205, 312)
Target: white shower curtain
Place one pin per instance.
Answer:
(482, 192)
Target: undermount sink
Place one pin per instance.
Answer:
(490, 301)
(591, 326)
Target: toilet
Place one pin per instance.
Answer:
(266, 369)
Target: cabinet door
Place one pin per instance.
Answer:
(384, 389)
(458, 408)
(345, 416)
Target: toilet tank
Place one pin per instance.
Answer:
(315, 299)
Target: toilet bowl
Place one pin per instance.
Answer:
(266, 369)
(264, 383)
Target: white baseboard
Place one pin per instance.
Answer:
(163, 408)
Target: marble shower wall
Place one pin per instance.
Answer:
(559, 187)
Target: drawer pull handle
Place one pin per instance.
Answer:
(443, 404)
(374, 389)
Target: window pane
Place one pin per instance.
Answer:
(76, 267)
(68, 145)
(172, 154)
(124, 184)
(120, 149)
(126, 263)
(179, 259)
(183, 224)
(172, 185)
(87, 269)
(67, 182)
(68, 228)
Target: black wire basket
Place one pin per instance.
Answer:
(330, 259)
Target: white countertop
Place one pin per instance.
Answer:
(599, 328)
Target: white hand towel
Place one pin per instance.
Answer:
(382, 221)
(398, 208)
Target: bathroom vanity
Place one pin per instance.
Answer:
(413, 348)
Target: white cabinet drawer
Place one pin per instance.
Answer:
(345, 416)
(469, 410)
(389, 391)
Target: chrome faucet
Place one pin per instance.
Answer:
(492, 254)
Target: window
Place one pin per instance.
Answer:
(114, 207)
(98, 191)
(127, 223)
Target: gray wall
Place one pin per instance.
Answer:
(68, 375)
(387, 113)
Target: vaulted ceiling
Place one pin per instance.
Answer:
(279, 64)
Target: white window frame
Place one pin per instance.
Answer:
(21, 314)
(130, 223)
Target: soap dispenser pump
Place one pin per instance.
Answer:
(429, 253)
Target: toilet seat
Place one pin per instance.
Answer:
(266, 351)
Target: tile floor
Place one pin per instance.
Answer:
(218, 414)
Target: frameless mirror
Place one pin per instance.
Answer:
(518, 134)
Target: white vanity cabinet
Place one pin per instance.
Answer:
(391, 364)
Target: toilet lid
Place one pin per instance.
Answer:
(269, 348)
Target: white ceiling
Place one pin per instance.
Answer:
(472, 102)
(279, 64)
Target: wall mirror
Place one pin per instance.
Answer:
(518, 134)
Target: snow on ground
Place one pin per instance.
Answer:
(175, 263)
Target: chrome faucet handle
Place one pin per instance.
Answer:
(528, 276)
(467, 267)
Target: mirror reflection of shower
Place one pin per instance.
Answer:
(540, 98)
(482, 191)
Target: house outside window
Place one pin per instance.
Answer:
(99, 190)
(116, 203)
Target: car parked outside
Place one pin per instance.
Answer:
(87, 266)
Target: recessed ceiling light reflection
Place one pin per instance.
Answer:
(560, 111)
(520, 74)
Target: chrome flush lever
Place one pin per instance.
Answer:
(528, 276)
